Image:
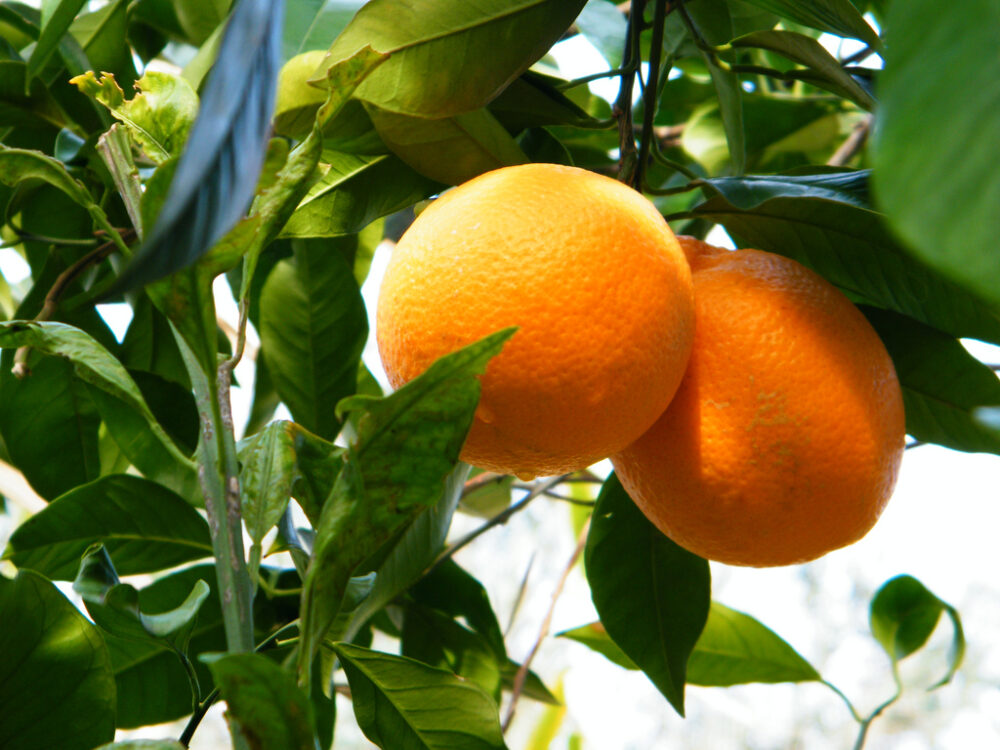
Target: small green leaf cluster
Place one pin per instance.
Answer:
(123, 155)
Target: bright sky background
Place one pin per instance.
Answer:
(941, 527)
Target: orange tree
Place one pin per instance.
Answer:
(147, 160)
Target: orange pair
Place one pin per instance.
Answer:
(785, 424)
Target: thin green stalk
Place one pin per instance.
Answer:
(218, 474)
(650, 92)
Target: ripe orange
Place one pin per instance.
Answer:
(785, 437)
(595, 280)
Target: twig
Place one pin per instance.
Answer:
(858, 56)
(622, 108)
(497, 520)
(651, 90)
(481, 480)
(520, 596)
(522, 672)
(854, 143)
(52, 299)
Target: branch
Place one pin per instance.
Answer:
(522, 672)
(54, 296)
(854, 143)
(622, 108)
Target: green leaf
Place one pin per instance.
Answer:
(50, 414)
(117, 397)
(313, 327)
(158, 117)
(750, 190)
(943, 385)
(935, 145)
(452, 590)
(533, 100)
(18, 108)
(903, 615)
(56, 685)
(836, 16)
(735, 649)
(354, 191)
(406, 445)
(652, 596)
(152, 685)
(267, 471)
(412, 554)
(264, 702)
(824, 69)
(102, 35)
(596, 638)
(604, 26)
(114, 606)
(449, 150)
(311, 24)
(455, 59)
(730, 93)
(486, 500)
(533, 687)
(402, 704)
(55, 22)
(434, 638)
(851, 247)
(145, 527)
(17, 165)
(144, 745)
(199, 18)
(318, 463)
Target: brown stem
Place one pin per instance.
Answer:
(854, 143)
(54, 296)
(522, 672)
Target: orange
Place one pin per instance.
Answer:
(785, 437)
(593, 277)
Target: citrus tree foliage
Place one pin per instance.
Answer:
(150, 148)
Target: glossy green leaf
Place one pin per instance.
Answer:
(402, 704)
(604, 26)
(730, 93)
(652, 596)
(533, 100)
(836, 16)
(23, 104)
(903, 615)
(823, 71)
(751, 190)
(63, 422)
(117, 397)
(412, 554)
(449, 150)
(264, 703)
(152, 685)
(114, 606)
(17, 165)
(354, 191)
(158, 117)
(449, 56)
(56, 685)
(314, 24)
(313, 327)
(533, 687)
(55, 22)
(406, 445)
(596, 638)
(943, 385)
(199, 18)
(434, 638)
(734, 649)
(851, 247)
(144, 526)
(102, 37)
(267, 471)
(451, 589)
(939, 103)
(318, 462)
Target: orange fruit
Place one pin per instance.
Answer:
(785, 437)
(588, 270)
